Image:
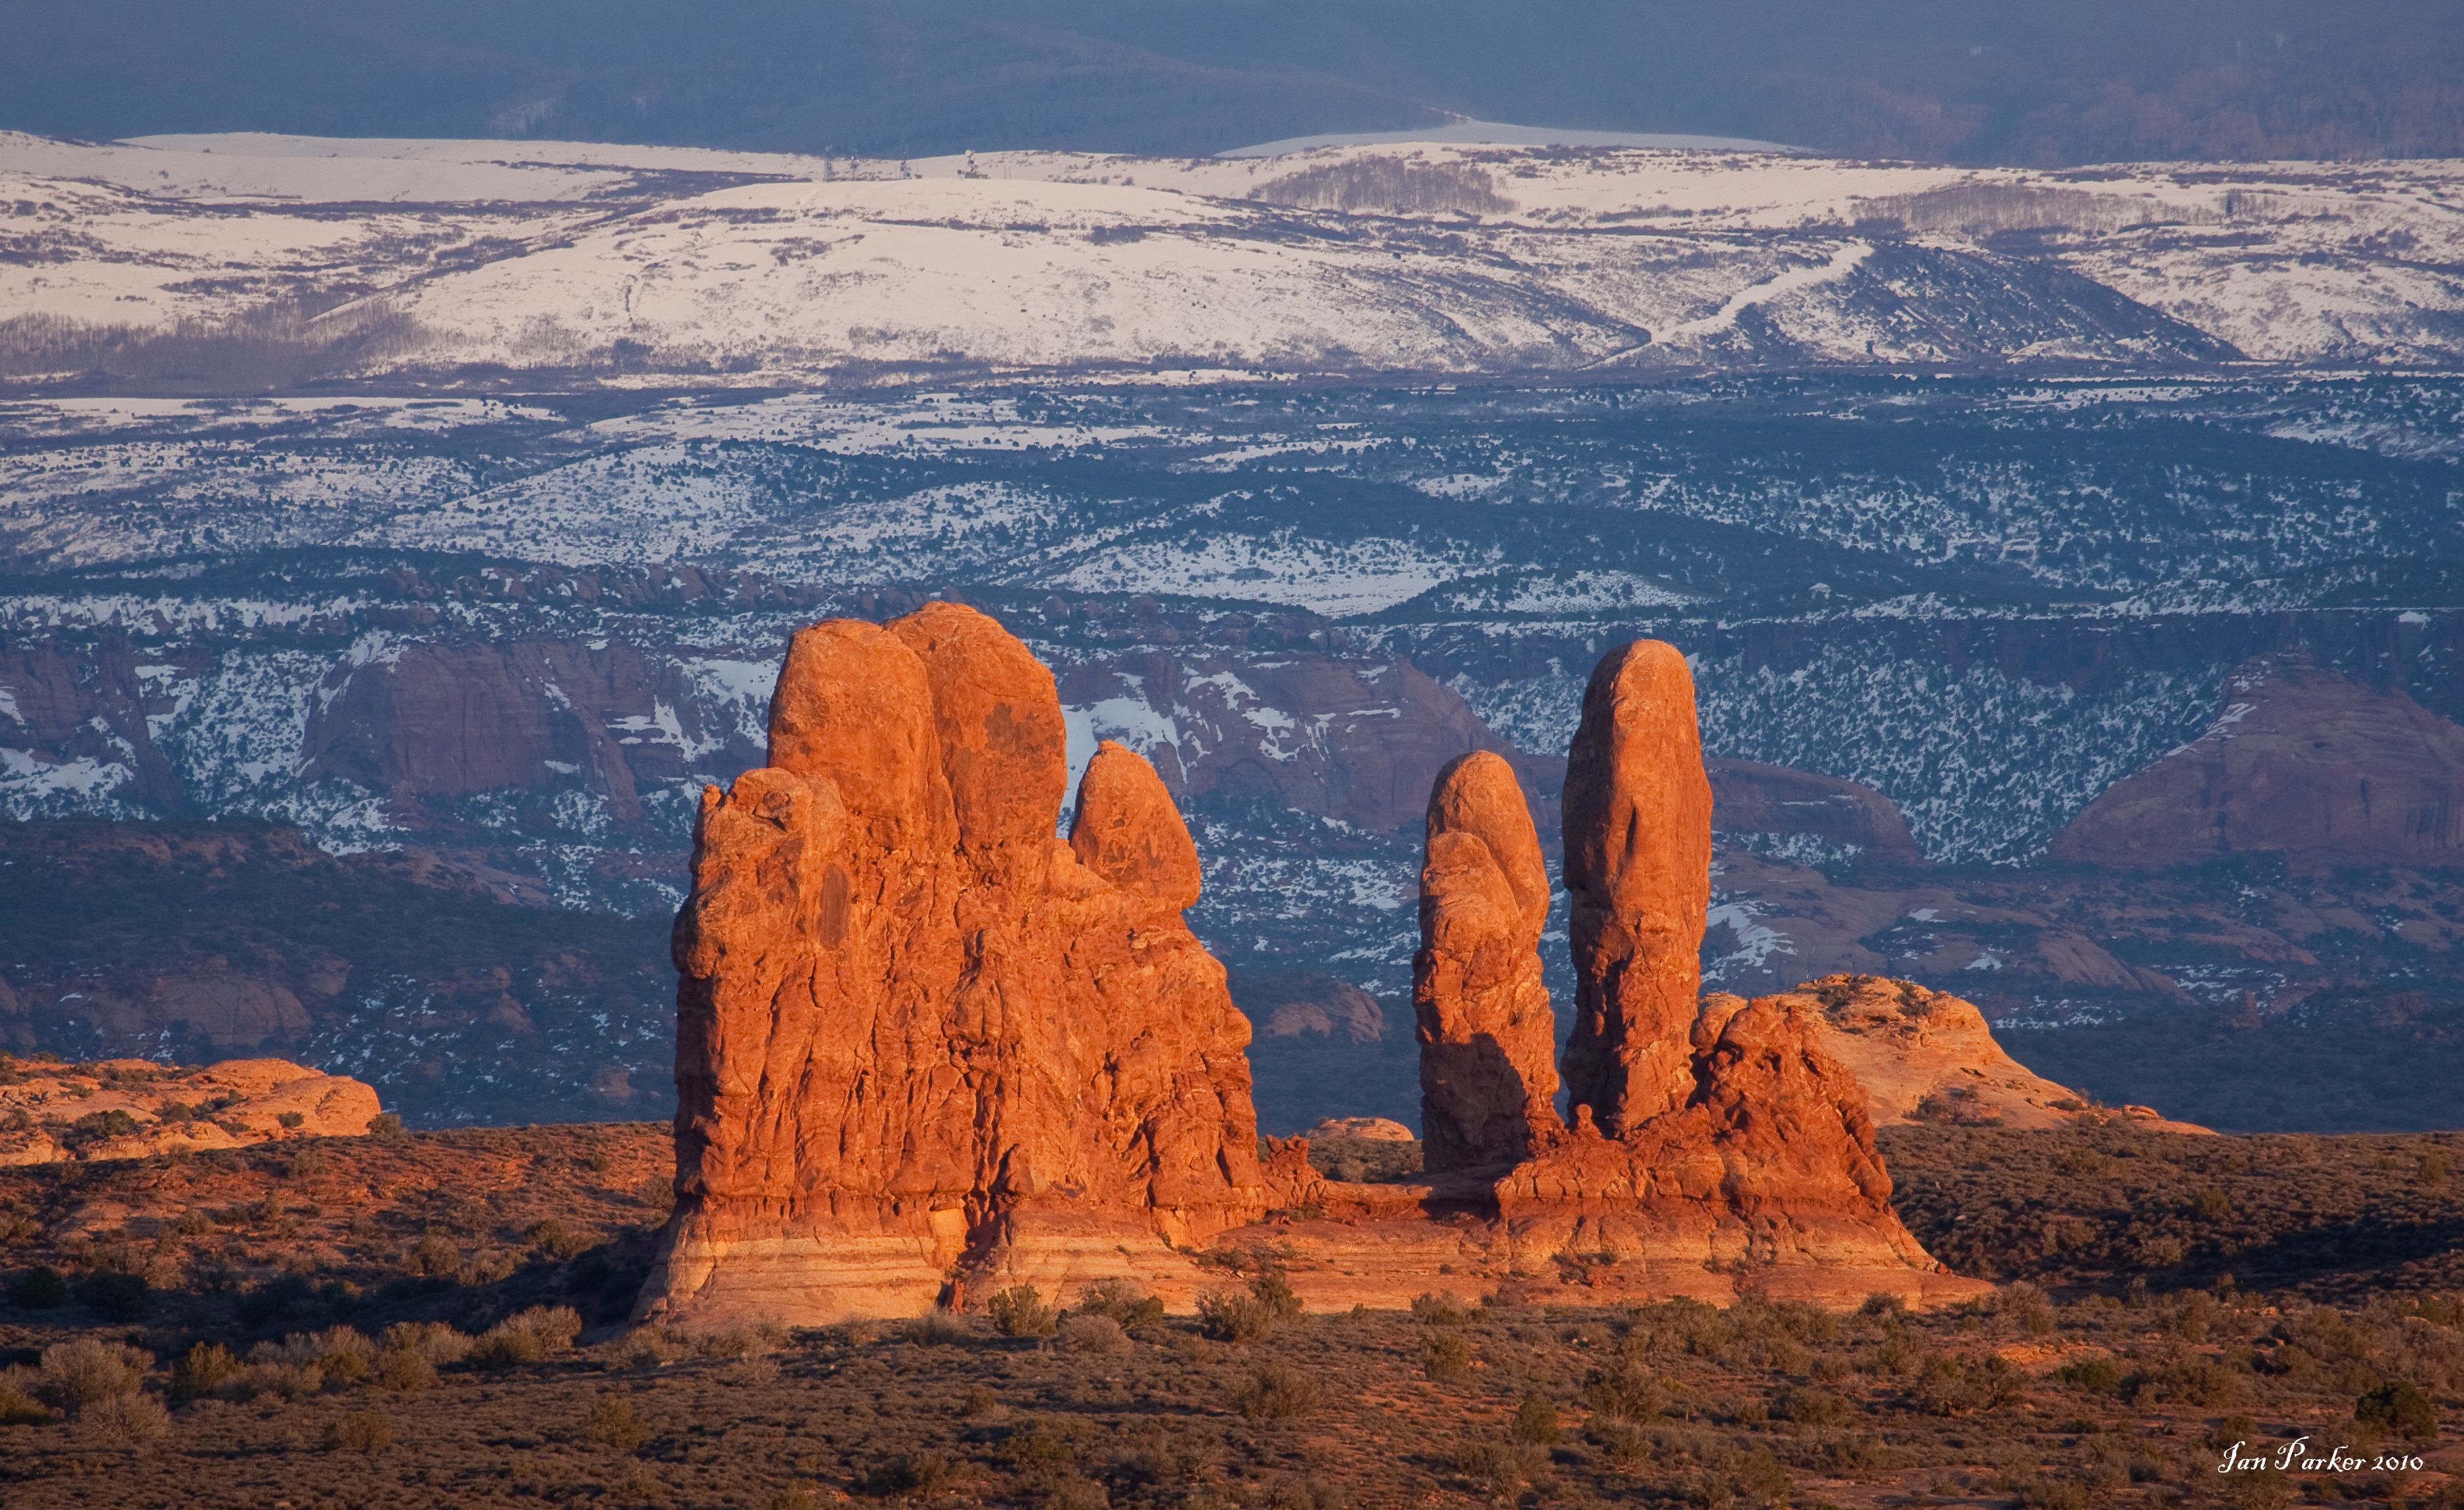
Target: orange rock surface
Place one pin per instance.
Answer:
(926, 1049)
(1488, 1041)
(67, 1110)
(1928, 1057)
(924, 1043)
(1637, 832)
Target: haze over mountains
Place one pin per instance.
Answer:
(1960, 80)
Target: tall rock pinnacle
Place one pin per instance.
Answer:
(1489, 1080)
(921, 1041)
(1637, 832)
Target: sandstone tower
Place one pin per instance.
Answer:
(926, 1047)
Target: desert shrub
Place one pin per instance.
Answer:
(291, 1118)
(2398, 1405)
(19, 1403)
(1276, 1392)
(40, 1288)
(1440, 1310)
(1680, 1326)
(1447, 1358)
(338, 1353)
(935, 1329)
(1535, 1421)
(125, 1419)
(1019, 1311)
(1950, 1386)
(2192, 1319)
(200, 1369)
(1232, 1317)
(1808, 1406)
(653, 1348)
(360, 1431)
(916, 1473)
(505, 1347)
(615, 1425)
(1123, 1301)
(1859, 1453)
(1073, 1493)
(403, 1371)
(1628, 1448)
(79, 1373)
(2052, 1494)
(433, 1341)
(1093, 1333)
(1627, 1392)
(556, 1326)
(561, 1239)
(254, 1381)
(2091, 1375)
(488, 1266)
(1882, 1305)
(1500, 1468)
(1759, 1476)
(2183, 1381)
(386, 1124)
(116, 1296)
(658, 1193)
(96, 1126)
(1036, 1448)
(434, 1257)
(1274, 1292)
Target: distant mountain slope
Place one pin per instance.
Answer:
(249, 264)
(1966, 80)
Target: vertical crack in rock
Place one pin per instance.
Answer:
(1488, 1044)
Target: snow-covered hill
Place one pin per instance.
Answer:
(564, 261)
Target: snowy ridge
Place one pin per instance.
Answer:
(628, 264)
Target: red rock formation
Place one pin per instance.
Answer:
(925, 1048)
(920, 1038)
(1928, 1057)
(1720, 1130)
(2299, 761)
(68, 1108)
(1637, 832)
(1489, 1042)
(1784, 803)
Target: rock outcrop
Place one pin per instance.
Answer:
(925, 1048)
(1637, 833)
(135, 1108)
(1489, 1042)
(2299, 761)
(1928, 1057)
(922, 1041)
(1711, 1126)
(1804, 814)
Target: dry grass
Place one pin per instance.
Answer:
(2078, 1388)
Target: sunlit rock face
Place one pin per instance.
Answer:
(922, 1039)
(926, 1047)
